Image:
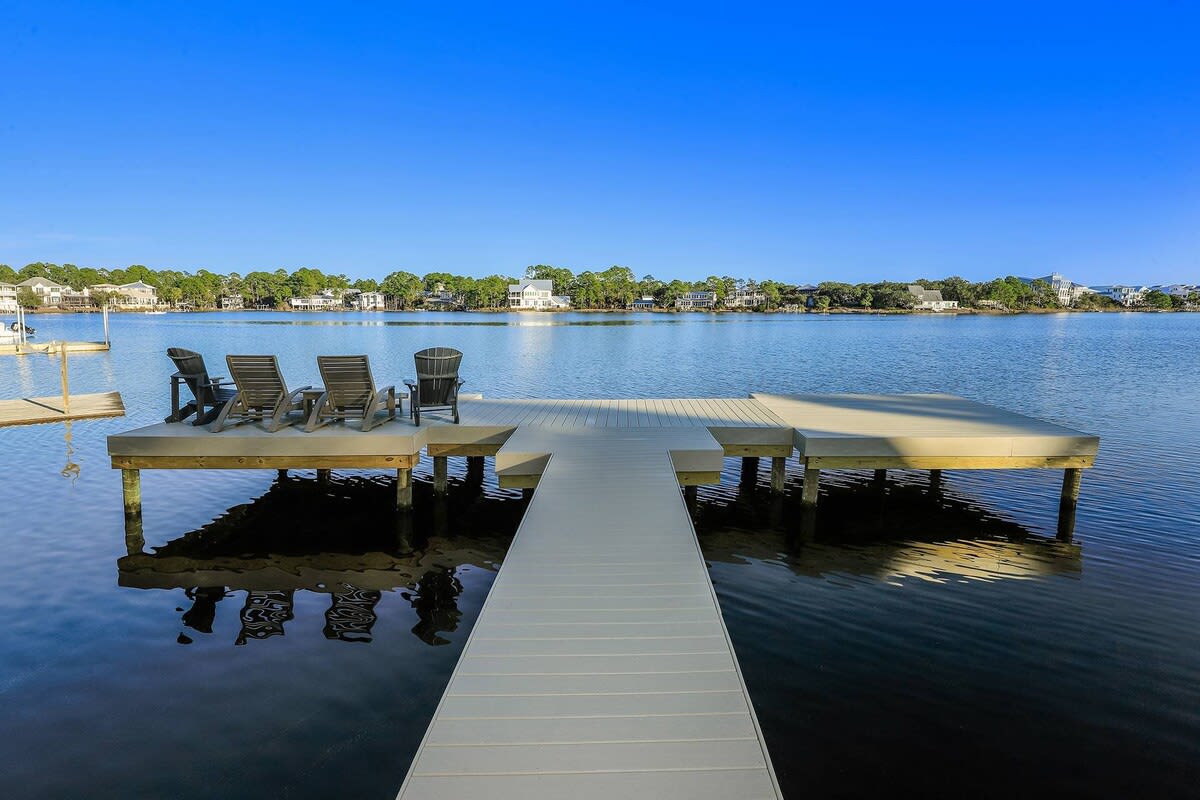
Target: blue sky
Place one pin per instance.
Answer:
(833, 142)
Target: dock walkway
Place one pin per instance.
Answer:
(600, 665)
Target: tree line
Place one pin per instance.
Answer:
(613, 288)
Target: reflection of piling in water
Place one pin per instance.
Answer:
(204, 607)
(436, 603)
(351, 616)
(264, 614)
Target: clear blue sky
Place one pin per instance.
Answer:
(837, 141)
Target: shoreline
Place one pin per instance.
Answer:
(716, 311)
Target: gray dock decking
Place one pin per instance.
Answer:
(600, 665)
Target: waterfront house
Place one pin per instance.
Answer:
(232, 302)
(442, 299)
(132, 295)
(47, 291)
(323, 300)
(746, 298)
(8, 298)
(1067, 292)
(1183, 290)
(1127, 296)
(693, 300)
(930, 299)
(644, 303)
(370, 301)
(536, 294)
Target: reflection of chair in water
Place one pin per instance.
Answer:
(352, 615)
(206, 392)
(437, 382)
(436, 604)
(204, 607)
(264, 614)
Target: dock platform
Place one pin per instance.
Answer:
(38, 410)
(600, 665)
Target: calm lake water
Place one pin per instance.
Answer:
(937, 644)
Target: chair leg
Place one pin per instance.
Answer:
(314, 417)
(219, 424)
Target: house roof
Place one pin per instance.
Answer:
(40, 280)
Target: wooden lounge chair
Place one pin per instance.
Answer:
(350, 392)
(262, 394)
(437, 382)
(208, 395)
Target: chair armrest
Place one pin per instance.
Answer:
(292, 395)
(216, 381)
(412, 384)
(385, 390)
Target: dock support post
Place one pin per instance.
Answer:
(475, 466)
(749, 472)
(404, 490)
(935, 481)
(441, 478)
(808, 501)
(131, 492)
(778, 474)
(281, 474)
(323, 476)
(527, 494)
(689, 498)
(880, 479)
(1067, 504)
(65, 390)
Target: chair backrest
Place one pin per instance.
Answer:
(190, 365)
(437, 374)
(258, 379)
(347, 379)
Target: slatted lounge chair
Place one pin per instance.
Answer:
(262, 393)
(349, 393)
(208, 395)
(437, 382)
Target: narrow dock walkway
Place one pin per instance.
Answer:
(600, 666)
(37, 410)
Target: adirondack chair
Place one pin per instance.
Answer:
(437, 382)
(207, 392)
(262, 394)
(349, 392)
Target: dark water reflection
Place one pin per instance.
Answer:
(938, 642)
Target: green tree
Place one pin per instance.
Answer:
(402, 287)
(1157, 299)
(7, 274)
(560, 277)
(27, 299)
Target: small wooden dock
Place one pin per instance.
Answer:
(39, 410)
(600, 665)
(36, 348)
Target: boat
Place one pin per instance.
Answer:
(15, 327)
(154, 313)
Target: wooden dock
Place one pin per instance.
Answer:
(600, 665)
(38, 410)
(34, 348)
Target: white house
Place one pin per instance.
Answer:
(370, 301)
(745, 298)
(536, 294)
(929, 299)
(1067, 292)
(321, 301)
(8, 298)
(1125, 295)
(689, 300)
(1183, 290)
(135, 294)
(48, 292)
(232, 302)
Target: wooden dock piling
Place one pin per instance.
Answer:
(1068, 503)
(404, 490)
(441, 475)
(778, 474)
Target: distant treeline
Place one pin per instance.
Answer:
(613, 288)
